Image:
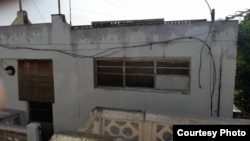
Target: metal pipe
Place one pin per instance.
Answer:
(70, 12)
(20, 5)
(59, 6)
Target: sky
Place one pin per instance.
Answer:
(83, 12)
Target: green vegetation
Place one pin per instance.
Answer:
(242, 86)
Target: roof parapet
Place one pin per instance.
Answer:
(101, 24)
(127, 22)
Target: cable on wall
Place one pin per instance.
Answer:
(10, 70)
(66, 52)
(115, 51)
(200, 64)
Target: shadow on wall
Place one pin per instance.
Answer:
(2, 95)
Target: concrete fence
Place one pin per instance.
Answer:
(142, 126)
(81, 136)
(20, 133)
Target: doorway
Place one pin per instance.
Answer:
(41, 112)
(36, 86)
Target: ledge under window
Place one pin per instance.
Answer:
(141, 90)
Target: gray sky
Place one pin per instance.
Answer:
(85, 11)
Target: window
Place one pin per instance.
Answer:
(161, 74)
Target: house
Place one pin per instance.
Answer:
(62, 72)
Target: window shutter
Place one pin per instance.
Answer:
(35, 80)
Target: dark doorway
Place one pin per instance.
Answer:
(41, 112)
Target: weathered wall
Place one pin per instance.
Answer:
(29, 132)
(75, 94)
(78, 136)
(11, 85)
(149, 126)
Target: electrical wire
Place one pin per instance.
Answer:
(122, 4)
(200, 64)
(93, 43)
(100, 54)
(115, 50)
(51, 50)
(97, 13)
(1, 64)
(107, 50)
(34, 2)
(114, 4)
(112, 53)
(150, 44)
(143, 45)
(210, 9)
(106, 43)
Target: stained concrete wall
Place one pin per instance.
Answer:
(11, 85)
(78, 136)
(146, 122)
(75, 93)
(29, 132)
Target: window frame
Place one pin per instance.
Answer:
(146, 89)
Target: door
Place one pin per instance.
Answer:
(41, 112)
(36, 86)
